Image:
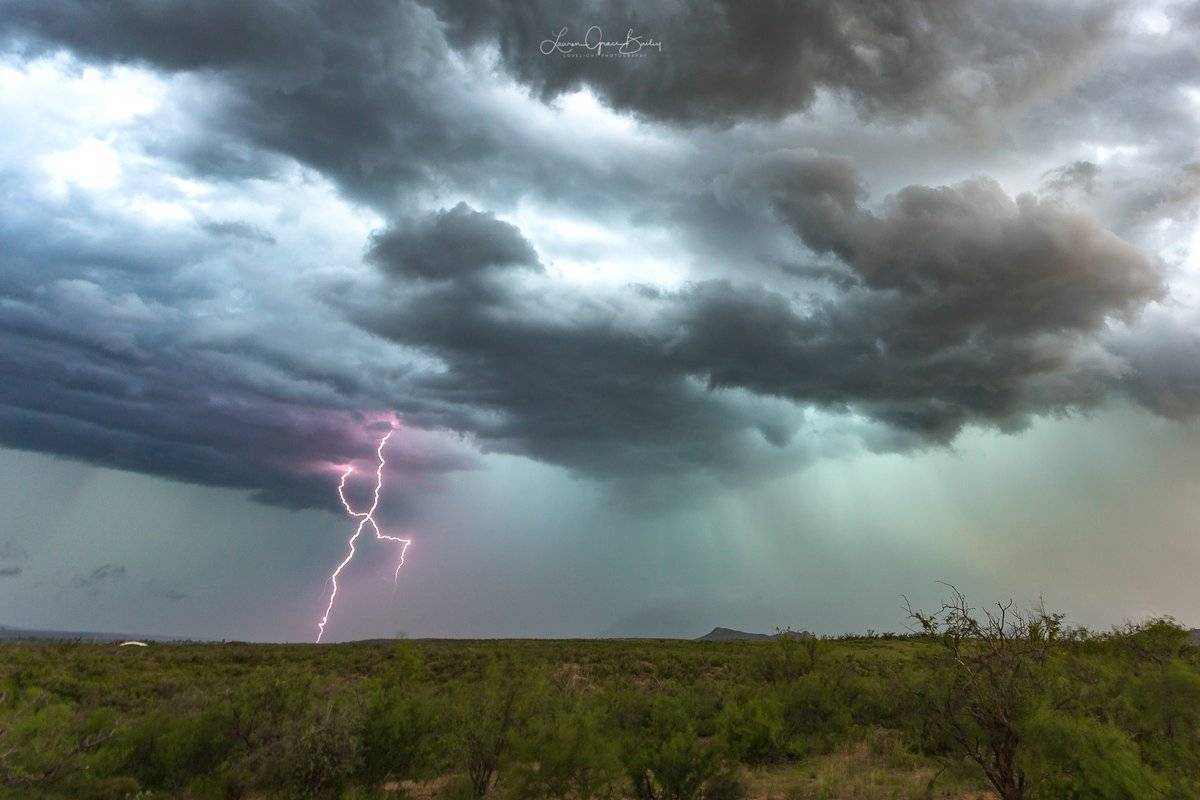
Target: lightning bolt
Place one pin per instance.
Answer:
(365, 518)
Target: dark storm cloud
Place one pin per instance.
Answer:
(370, 95)
(349, 90)
(969, 258)
(174, 35)
(375, 96)
(130, 344)
(568, 380)
(101, 578)
(971, 306)
(114, 380)
(946, 305)
(724, 60)
(968, 306)
(451, 244)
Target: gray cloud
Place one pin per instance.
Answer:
(12, 552)
(451, 244)
(1131, 95)
(971, 255)
(1078, 176)
(301, 80)
(941, 307)
(565, 379)
(371, 96)
(965, 306)
(126, 368)
(100, 579)
(239, 230)
(1164, 359)
(972, 305)
(161, 591)
(722, 61)
(1132, 200)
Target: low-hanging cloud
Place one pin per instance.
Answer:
(966, 306)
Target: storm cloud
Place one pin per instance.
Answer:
(728, 60)
(335, 217)
(966, 306)
(451, 244)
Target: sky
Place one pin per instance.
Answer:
(684, 314)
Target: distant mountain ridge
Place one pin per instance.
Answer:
(717, 634)
(733, 635)
(730, 635)
(10, 634)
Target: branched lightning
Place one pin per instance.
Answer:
(364, 518)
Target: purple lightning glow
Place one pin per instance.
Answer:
(364, 518)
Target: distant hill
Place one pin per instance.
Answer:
(11, 634)
(733, 635)
(730, 635)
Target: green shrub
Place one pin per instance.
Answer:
(402, 732)
(168, 751)
(786, 658)
(814, 719)
(753, 731)
(320, 755)
(45, 742)
(1156, 641)
(666, 760)
(1163, 715)
(1075, 758)
(566, 756)
(490, 712)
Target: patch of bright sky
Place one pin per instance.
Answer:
(578, 128)
(1148, 21)
(590, 252)
(78, 96)
(83, 128)
(580, 124)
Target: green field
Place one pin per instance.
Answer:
(1088, 717)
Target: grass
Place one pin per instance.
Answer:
(876, 768)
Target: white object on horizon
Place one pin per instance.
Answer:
(135, 644)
